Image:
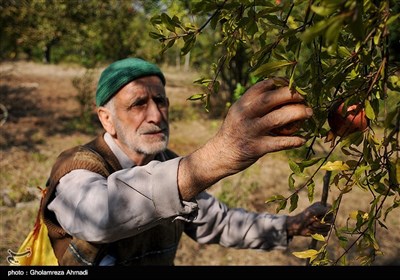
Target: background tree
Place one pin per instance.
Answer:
(330, 51)
(87, 32)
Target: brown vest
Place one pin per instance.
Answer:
(156, 246)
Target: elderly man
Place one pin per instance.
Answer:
(126, 199)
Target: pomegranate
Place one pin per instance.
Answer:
(343, 123)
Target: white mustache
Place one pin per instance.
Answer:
(152, 128)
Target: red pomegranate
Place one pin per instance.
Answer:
(344, 122)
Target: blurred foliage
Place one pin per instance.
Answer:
(87, 32)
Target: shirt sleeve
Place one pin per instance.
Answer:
(236, 227)
(128, 202)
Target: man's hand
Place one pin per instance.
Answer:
(314, 219)
(245, 135)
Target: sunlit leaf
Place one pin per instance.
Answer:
(335, 166)
(197, 96)
(323, 10)
(306, 254)
(369, 111)
(392, 19)
(318, 237)
(299, 90)
(275, 198)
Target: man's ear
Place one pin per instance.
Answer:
(106, 120)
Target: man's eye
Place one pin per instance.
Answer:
(160, 101)
(139, 103)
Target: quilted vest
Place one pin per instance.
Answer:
(156, 246)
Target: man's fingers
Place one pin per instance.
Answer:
(262, 98)
(318, 226)
(287, 114)
(269, 145)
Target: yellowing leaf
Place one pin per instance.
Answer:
(337, 165)
(357, 213)
(311, 253)
(318, 237)
(353, 215)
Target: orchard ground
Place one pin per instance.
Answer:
(41, 121)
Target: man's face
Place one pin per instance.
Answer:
(140, 116)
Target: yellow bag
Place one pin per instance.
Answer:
(36, 249)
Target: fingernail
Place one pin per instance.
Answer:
(309, 111)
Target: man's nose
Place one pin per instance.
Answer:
(154, 114)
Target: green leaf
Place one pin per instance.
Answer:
(377, 37)
(310, 191)
(275, 198)
(156, 20)
(293, 202)
(282, 205)
(168, 22)
(252, 28)
(369, 111)
(323, 11)
(354, 138)
(394, 175)
(343, 51)
(197, 96)
(356, 25)
(310, 33)
(168, 45)
(274, 20)
(308, 163)
(268, 68)
(156, 36)
(294, 167)
(382, 189)
(299, 90)
(291, 182)
(392, 19)
(332, 32)
(190, 40)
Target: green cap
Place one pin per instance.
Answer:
(120, 73)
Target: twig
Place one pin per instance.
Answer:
(324, 199)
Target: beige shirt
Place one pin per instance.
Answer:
(136, 198)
